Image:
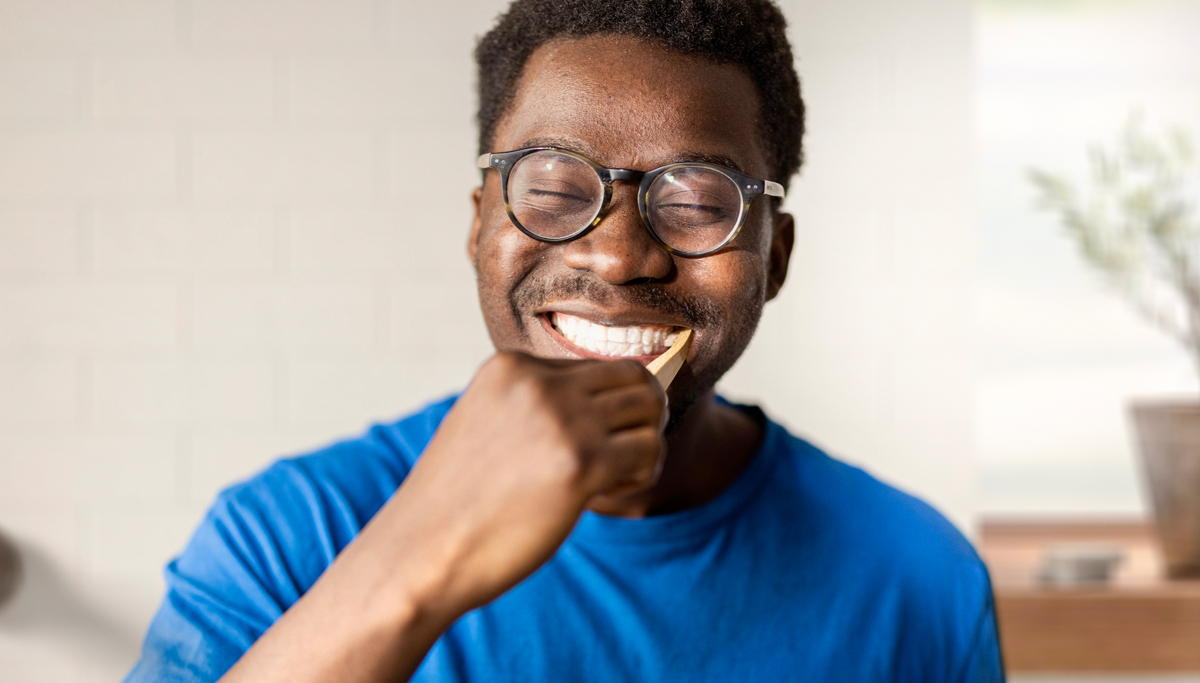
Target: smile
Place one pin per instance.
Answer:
(614, 342)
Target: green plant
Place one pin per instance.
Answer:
(1136, 222)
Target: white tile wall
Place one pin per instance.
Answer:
(39, 87)
(232, 230)
(38, 241)
(166, 86)
(76, 164)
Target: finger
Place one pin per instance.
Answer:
(628, 457)
(600, 376)
(630, 406)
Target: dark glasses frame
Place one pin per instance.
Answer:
(747, 186)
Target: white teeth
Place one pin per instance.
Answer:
(614, 341)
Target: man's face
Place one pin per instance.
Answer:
(629, 104)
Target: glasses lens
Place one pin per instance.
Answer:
(693, 209)
(554, 195)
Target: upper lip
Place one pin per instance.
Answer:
(623, 318)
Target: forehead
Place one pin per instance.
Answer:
(628, 103)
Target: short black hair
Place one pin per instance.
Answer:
(750, 34)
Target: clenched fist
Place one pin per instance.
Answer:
(514, 464)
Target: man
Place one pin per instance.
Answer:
(566, 519)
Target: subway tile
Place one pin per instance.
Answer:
(432, 237)
(221, 457)
(439, 320)
(141, 391)
(169, 390)
(233, 240)
(134, 540)
(82, 316)
(130, 468)
(71, 468)
(283, 22)
(87, 164)
(206, 241)
(38, 391)
(351, 87)
(39, 87)
(300, 316)
(38, 241)
(444, 150)
(422, 31)
(138, 240)
(232, 390)
(354, 243)
(39, 469)
(73, 22)
(314, 163)
(344, 393)
(30, 657)
(233, 317)
(430, 377)
(174, 87)
(331, 316)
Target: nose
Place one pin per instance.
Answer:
(620, 250)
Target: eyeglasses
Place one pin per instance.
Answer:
(691, 209)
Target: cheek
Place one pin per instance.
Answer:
(731, 279)
(503, 258)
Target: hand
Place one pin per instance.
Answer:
(512, 468)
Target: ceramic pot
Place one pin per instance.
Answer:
(1168, 434)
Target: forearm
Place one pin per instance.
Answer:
(365, 620)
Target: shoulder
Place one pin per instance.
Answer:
(301, 511)
(265, 541)
(357, 474)
(898, 555)
(863, 510)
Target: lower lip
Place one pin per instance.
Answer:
(584, 353)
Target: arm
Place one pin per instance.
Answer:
(496, 492)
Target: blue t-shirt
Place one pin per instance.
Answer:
(803, 569)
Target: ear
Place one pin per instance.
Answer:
(781, 253)
(476, 223)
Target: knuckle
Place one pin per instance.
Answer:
(634, 371)
(644, 402)
(647, 443)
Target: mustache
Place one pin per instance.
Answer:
(536, 291)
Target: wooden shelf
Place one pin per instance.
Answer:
(1138, 622)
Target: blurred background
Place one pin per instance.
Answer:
(234, 230)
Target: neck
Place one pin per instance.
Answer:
(710, 446)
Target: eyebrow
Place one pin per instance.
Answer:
(580, 147)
